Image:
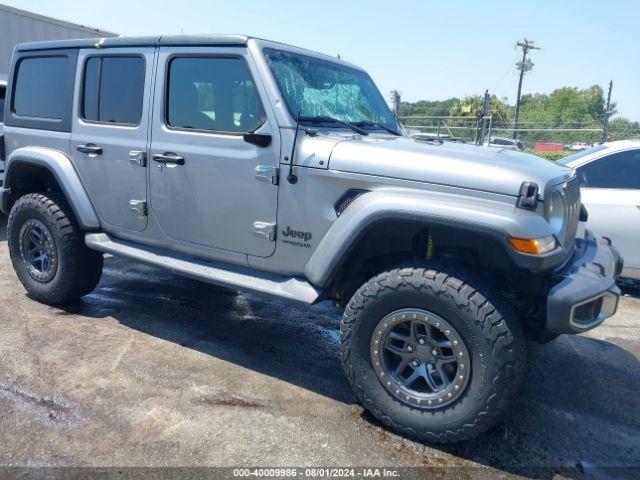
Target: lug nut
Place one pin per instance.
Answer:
(422, 341)
(410, 348)
(415, 363)
(434, 351)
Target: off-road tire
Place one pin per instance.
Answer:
(78, 268)
(486, 325)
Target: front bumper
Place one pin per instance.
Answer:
(586, 294)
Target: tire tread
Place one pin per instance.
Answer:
(83, 266)
(492, 316)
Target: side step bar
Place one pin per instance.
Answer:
(230, 276)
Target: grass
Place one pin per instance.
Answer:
(549, 155)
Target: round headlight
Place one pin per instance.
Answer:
(557, 211)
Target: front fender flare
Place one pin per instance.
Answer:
(65, 174)
(490, 217)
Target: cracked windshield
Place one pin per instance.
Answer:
(321, 89)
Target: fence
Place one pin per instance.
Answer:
(542, 134)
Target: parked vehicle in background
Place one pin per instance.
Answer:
(577, 146)
(504, 142)
(609, 176)
(265, 167)
(3, 92)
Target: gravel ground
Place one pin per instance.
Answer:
(155, 370)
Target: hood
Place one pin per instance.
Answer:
(461, 165)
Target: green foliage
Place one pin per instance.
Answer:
(427, 108)
(550, 155)
(621, 128)
(566, 115)
(472, 106)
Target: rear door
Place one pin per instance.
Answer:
(209, 186)
(611, 193)
(110, 132)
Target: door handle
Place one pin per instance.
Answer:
(90, 148)
(168, 157)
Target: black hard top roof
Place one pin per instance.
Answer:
(165, 40)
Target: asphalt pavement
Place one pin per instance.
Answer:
(155, 370)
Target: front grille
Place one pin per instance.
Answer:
(571, 192)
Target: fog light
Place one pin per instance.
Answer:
(533, 246)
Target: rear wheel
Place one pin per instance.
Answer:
(48, 252)
(431, 353)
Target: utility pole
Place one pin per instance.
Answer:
(395, 101)
(524, 66)
(482, 118)
(607, 114)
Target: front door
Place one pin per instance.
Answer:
(611, 193)
(208, 185)
(110, 132)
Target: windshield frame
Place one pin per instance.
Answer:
(338, 64)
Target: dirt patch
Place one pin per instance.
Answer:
(231, 400)
(51, 409)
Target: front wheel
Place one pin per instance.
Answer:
(48, 252)
(429, 354)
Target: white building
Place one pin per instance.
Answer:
(19, 26)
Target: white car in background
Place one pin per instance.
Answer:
(578, 146)
(610, 186)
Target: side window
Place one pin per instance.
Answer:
(113, 89)
(620, 170)
(216, 94)
(39, 84)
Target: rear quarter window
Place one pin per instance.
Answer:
(37, 85)
(41, 91)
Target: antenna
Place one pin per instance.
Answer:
(292, 177)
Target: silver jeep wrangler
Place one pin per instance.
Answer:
(264, 167)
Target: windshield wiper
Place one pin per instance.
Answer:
(369, 123)
(325, 119)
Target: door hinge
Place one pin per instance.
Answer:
(138, 157)
(266, 230)
(138, 206)
(267, 173)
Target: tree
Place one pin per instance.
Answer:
(427, 108)
(566, 115)
(622, 128)
(471, 106)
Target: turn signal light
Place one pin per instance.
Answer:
(533, 246)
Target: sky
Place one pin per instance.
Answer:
(425, 49)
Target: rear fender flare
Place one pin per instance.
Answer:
(63, 171)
